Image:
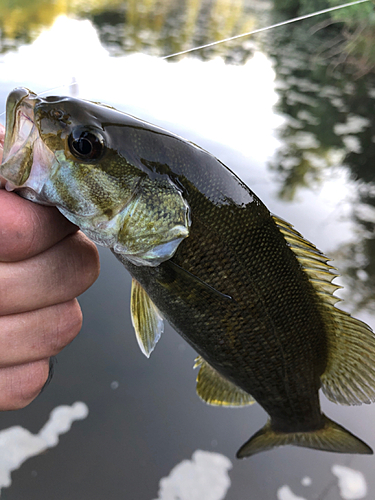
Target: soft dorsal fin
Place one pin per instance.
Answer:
(147, 321)
(349, 377)
(217, 390)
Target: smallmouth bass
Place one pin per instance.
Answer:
(246, 290)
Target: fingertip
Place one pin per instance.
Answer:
(21, 384)
(67, 325)
(89, 268)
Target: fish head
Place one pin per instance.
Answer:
(73, 154)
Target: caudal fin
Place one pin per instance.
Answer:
(331, 437)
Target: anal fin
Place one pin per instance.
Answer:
(216, 390)
(146, 318)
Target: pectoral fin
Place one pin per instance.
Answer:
(217, 390)
(146, 318)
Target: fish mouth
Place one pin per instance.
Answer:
(20, 135)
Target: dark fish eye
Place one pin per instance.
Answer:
(86, 144)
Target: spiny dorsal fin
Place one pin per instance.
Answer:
(146, 319)
(312, 260)
(217, 390)
(349, 377)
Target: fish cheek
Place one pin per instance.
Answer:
(61, 192)
(153, 223)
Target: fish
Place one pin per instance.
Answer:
(242, 286)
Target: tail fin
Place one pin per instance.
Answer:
(331, 437)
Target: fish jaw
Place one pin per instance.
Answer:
(26, 159)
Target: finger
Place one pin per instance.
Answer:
(57, 275)
(39, 334)
(20, 384)
(27, 228)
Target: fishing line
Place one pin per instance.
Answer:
(259, 30)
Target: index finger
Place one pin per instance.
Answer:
(27, 229)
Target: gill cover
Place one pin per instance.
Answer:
(153, 223)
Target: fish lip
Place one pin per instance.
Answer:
(20, 129)
(20, 101)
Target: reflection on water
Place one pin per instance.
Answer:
(285, 493)
(205, 476)
(328, 113)
(328, 127)
(351, 484)
(157, 27)
(18, 444)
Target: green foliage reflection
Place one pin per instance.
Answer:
(356, 25)
(329, 111)
(159, 27)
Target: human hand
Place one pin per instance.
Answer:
(45, 262)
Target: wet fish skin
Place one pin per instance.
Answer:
(207, 253)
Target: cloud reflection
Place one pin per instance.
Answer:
(18, 444)
(205, 476)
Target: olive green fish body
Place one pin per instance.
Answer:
(263, 330)
(249, 293)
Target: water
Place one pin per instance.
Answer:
(284, 112)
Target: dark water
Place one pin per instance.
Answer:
(293, 115)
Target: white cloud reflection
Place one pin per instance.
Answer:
(352, 485)
(352, 482)
(18, 444)
(285, 493)
(205, 476)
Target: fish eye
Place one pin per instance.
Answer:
(86, 144)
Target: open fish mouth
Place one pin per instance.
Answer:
(26, 159)
(20, 135)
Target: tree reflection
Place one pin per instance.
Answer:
(158, 27)
(356, 259)
(329, 111)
